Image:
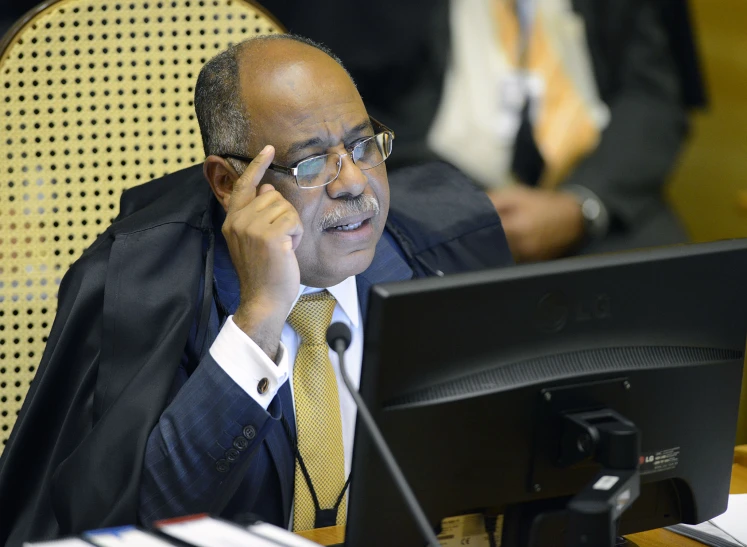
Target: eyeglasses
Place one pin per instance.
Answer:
(321, 170)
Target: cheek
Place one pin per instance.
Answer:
(381, 189)
(306, 203)
(385, 199)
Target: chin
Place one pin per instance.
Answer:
(359, 262)
(352, 264)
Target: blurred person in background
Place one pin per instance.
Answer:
(569, 113)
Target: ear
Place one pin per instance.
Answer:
(221, 177)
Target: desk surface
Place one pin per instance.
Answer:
(653, 538)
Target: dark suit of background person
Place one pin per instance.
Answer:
(397, 51)
(128, 355)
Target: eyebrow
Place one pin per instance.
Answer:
(318, 141)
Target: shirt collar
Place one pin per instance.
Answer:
(346, 294)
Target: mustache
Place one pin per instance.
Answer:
(362, 203)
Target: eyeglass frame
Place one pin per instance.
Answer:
(378, 128)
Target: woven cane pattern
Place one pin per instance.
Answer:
(95, 97)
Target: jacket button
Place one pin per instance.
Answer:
(222, 466)
(232, 454)
(263, 386)
(250, 432)
(240, 443)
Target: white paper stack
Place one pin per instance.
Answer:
(726, 530)
(195, 531)
(210, 532)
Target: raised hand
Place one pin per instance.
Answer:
(263, 230)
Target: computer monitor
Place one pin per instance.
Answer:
(472, 379)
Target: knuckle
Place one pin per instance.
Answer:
(291, 216)
(239, 227)
(229, 226)
(269, 196)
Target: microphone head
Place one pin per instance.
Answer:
(338, 331)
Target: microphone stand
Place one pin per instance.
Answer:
(338, 338)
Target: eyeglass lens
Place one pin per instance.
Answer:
(367, 154)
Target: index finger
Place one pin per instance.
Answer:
(245, 188)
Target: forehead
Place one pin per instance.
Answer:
(294, 92)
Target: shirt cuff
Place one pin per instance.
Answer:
(247, 365)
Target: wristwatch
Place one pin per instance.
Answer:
(595, 214)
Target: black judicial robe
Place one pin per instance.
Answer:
(126, 307)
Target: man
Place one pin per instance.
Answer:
(182, 374)
(452, 72)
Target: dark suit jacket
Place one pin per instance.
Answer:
(134, 313)
(188, 468)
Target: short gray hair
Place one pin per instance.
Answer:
(223, 118)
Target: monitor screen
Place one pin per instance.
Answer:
(472, 377)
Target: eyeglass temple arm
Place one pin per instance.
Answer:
(379, 127)
(273, 166)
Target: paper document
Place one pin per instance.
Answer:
(281, 536)
(727, 530)
(69, 542)
(707, 534)
(734, 520)
(209, 532)
(122, 536)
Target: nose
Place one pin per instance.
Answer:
(351, 181)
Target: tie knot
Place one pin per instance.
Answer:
(311, 317)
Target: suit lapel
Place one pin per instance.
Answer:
(277, 442)
(388, 266)
(282, 450)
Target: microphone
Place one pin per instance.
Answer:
(336, 333)
(338, 338)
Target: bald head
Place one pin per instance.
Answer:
(239, 79)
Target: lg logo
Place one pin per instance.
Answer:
(555, 310)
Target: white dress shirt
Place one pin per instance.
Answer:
(247, 364)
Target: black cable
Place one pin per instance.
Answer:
(339, 345)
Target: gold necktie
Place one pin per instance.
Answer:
(318, 421)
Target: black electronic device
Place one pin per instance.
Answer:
(552, 393)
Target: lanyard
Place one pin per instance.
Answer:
(323, 517)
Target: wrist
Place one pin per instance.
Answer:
(594, 214)
(263, 323)
(570, 226)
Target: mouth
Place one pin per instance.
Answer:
(346, 227)
(351, 224)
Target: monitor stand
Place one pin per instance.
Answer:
(591, 517)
